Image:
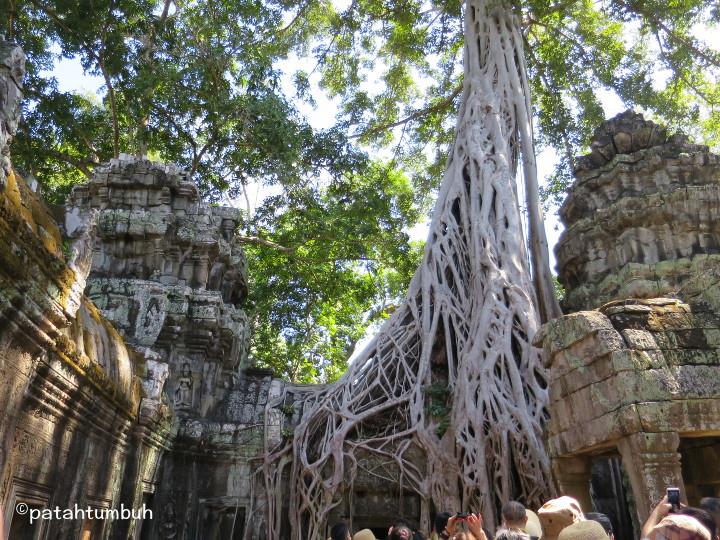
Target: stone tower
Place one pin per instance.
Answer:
(642, 218)
(635, 364)
(168, 274)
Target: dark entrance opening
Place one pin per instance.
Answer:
(700, 467)
(20, 526)
(146, 524)
(609, 494)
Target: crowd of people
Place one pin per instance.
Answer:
(558, 519)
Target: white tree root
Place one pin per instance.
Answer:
(466, 325)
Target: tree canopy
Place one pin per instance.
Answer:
(647, 52)
(197, 83)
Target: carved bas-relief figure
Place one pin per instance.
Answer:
(151, 318)
(184, 389)
(156, 375)
(168, 527)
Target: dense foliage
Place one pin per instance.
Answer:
(196, 82)
(647, 52)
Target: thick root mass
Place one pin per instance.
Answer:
(449, 399)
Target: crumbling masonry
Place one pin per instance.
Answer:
(636, 383)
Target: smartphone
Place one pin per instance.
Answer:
(673, 497)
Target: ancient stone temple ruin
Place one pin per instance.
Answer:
(125, 377)
(635, 381)
(124, 353)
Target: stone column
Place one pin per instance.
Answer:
(652, 462)
(573, 478)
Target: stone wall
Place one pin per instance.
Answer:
(169, 274)
(209, 479)
(635, 378)
(77, 427)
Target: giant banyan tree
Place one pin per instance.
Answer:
(448, 400)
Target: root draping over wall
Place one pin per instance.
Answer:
(449, 399)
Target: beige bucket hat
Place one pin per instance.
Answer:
(557, 514)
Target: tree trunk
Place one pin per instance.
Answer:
(467, 322)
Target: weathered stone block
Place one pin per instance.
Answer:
(639, 339)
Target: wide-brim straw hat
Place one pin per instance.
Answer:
(583, 530)
(680, 527)
(557, 514)
(365, 534)
(532, 525)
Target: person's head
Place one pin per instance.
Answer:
(513, 514)
(712, 506)
(703, 517)
(441, 522)
(557, 514)
(340, 531)
(583, 530)
(603, 520)
(400, 532)
(679, 527)
(364, 534)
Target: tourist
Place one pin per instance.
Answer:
(583, 530)
(439, 532)
(712, 506)
(400, 531)
(364, 534)
(703, 517)
(402, 522)
(512, 534)
(473, 523)
(662, 525)
(532, 525)
(603, 520)
(340, 531)
(678, 527)
(514, 521)
(557, 514)
(416, 534)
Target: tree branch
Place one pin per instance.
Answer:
(83, 166)
(264, 242)
(414, 116)
(296, 18)
(682, 41)
(165, 12)
(98, 58)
